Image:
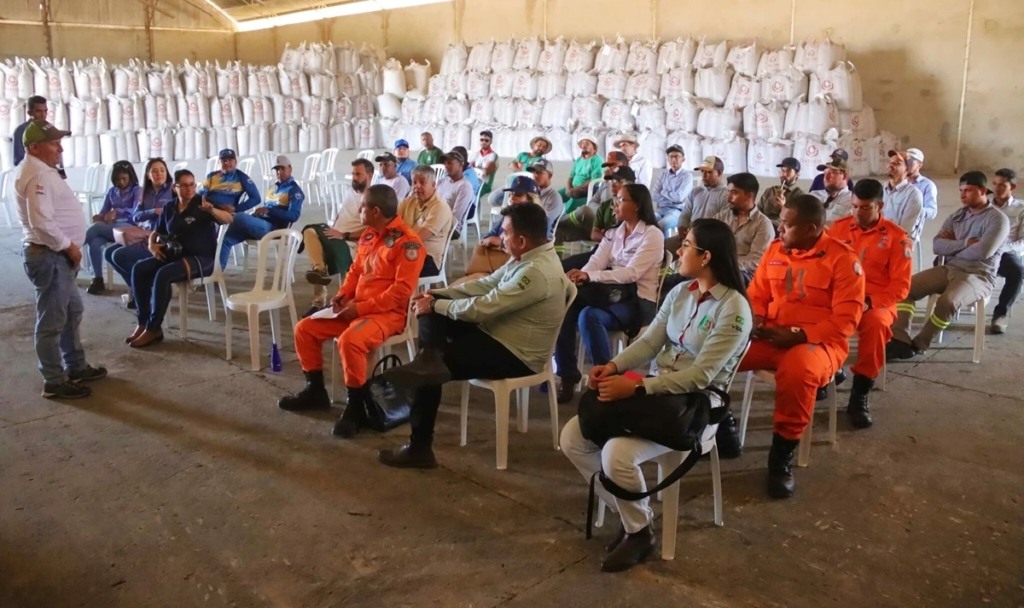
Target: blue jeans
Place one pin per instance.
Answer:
(593, 324)
(667, 219)
(98, 235)
(151, 285)
(122, 258)
(243, 226)
(58, 314)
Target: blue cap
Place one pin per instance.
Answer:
(227, 153)
(400, 143)
(523, 185)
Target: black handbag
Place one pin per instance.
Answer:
(603, 295)
(387, 404)
(674, 421)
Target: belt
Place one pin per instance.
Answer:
(36, 248)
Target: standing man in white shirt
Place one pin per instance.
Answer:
(929, 192)
(629, 146)
(389, 175)
(455, 189)
(486, 161)
(671, 190)
(903, 202)
(1011, 264)
(53, 228)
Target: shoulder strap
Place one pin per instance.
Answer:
(385, 364)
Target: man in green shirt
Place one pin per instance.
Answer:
(591, 220)
(585, 169)
(539, 146)
(430, 154)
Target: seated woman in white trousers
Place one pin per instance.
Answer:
(696, 341)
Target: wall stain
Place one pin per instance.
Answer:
(944, 134)
(926, 92)
(993, 124)
(1007, 151)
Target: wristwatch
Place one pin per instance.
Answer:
(641, 390)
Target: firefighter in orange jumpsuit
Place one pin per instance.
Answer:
(370, 307)
(807, 296)
(885, 252)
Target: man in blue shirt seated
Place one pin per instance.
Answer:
(226, 187)
(405, 164)
(282, 207)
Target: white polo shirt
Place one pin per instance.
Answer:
(49, 212)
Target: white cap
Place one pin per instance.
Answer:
(282, 161)
(915, 154)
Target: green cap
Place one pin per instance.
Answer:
(38, 132)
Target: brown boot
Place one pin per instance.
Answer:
(135, 334)
(149, 336)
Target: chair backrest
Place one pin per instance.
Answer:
(309, 167)
(367, 155)
(179, 166)
(211, 165)
(286, 243)
(439, 172)
(665, 263)
(570, 296)
(245, 165)
(592, 188)
(335, 191)
(327, 171)
(102, 179)
(222, 229)
(442, 267)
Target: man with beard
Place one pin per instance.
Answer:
(836, 195)
(708, 199)
(585, 169)
(331, 248)
(774, 198)
(753, 230)
(903, 202)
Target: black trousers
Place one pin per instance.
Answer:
(429, 268)
(468, 353)
(1012, 269)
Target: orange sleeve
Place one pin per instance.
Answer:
(759, 292)
(348, 287)
(407, 259)
(847, 300)
(900, 270)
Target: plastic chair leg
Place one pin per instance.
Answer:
(501, 406)
(522, 409)
(599, 521)
(979, 330)
(334, 373)
(553, 412)
(227, 332)
(183, 310)
(803, 454)
(464, 415)
(716, 483)
(254, 337)
(833, 413)
(210, 298)
(748, 397)
(670, 512)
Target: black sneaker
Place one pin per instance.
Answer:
(130, 305)
(66, 390)
(96, 287)
(896, 350)
(88, 374)
(318, 276)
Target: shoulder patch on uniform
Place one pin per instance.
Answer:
(40, 189)
(523, 282)
(367, 236)
(857, 269)
(412, 250)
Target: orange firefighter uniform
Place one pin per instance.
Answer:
(821, 291)
(381, 280)
(885, 253)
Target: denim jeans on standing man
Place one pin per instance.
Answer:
(58, 313)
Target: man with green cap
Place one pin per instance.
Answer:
(53, 229)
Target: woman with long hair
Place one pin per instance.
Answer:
(618, 286)
(123, 195)
(157, 191)
(696, 342)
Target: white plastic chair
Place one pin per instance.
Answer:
(334, 192)
(272, 296)
(442, 274)
(215, 279)
(368, 155)
(979, 324)
(212, 164)
(307, 180)
(179, 166)
(503, 389)
(406, 336)
(7, 195)
(245, 165)
(94, 188)
(804, 451)
(439, 172)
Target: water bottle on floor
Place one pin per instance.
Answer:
(275, 359)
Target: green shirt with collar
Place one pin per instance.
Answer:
(520, 305)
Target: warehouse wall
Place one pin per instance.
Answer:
(910, 54)
(115, 30)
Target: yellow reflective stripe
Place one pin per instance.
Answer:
(937, 322)
(905, 307)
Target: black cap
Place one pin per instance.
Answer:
(625, 174)
(454, 154)
(790, 163)
(674, 148)
(840, 153)
(614, 158)
(974, 178)
(387, 156)
(486, 133)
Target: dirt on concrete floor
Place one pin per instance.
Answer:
(180, 483)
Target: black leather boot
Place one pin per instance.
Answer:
(780, 466)
(857, 410)
(840, 376)
(728, 438)
(313, 397)
(354, 415)
(413, 455)
(427, 369)
(633, 549)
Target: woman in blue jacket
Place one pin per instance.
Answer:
(121, 199)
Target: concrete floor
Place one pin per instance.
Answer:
(180, 483)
